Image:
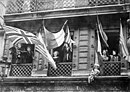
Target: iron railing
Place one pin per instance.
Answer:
(20, 6)
(110, 68)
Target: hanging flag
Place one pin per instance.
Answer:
(123, 46)
(2, 42)
(55, 39)
(96, 59)
(46, 54)
(68, 39)
(103, 34)
(99, 48)
(18, 35)
(43, 50)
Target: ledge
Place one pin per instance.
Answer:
(64, 13)
(59, 79)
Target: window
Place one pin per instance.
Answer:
(112, 52)
(22, 53)
(63, 53)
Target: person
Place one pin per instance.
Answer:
(105, 56)
(67, 53)
(114, 56)
(13, 54)
(29, 56)
(20, 54)
(56, 56)
(19, 49)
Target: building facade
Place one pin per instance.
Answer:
(72, 76)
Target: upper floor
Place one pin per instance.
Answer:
(21, 6)
(24, 10)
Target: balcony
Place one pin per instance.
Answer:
(22, 6)
(110, 68)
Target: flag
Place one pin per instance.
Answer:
(55, 39)
(103, 34)
(96, 59)
(2, 42)
(123, 47)
(68, 38)
(99, 48)
(18, 35)
(43, 50)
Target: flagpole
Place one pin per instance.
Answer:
(64, 24)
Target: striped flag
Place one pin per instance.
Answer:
(123, 46)
(103, 34)
(2, 42)
(99, 48)
(18, 35)
(46, 54)
(68, 38)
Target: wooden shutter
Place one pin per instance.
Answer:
(6, 52)
(39, 65)
(83, 53)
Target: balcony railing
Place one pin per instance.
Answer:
(20, 6)
(110, 68)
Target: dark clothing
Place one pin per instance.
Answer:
(14, 54)
(29, 57)
(56, 59)
(20, 55)
(67, 55)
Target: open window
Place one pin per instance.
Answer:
(22, 53)
(63, 53)
(113, 50)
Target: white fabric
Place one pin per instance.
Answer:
(2, 42)
(124, 48)
(47, 56)
(103, 34)
(54, 39)
(96, 59)
(99, 48)
(68, 38)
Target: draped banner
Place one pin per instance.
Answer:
(55, 40)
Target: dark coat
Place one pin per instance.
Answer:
(29, 57)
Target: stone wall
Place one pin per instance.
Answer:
(68, 86)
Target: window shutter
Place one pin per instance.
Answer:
(39, 65)
(83, 53)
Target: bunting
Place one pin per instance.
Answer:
(54, 39)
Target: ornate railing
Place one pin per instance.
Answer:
(109, 68)
(19, 6)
